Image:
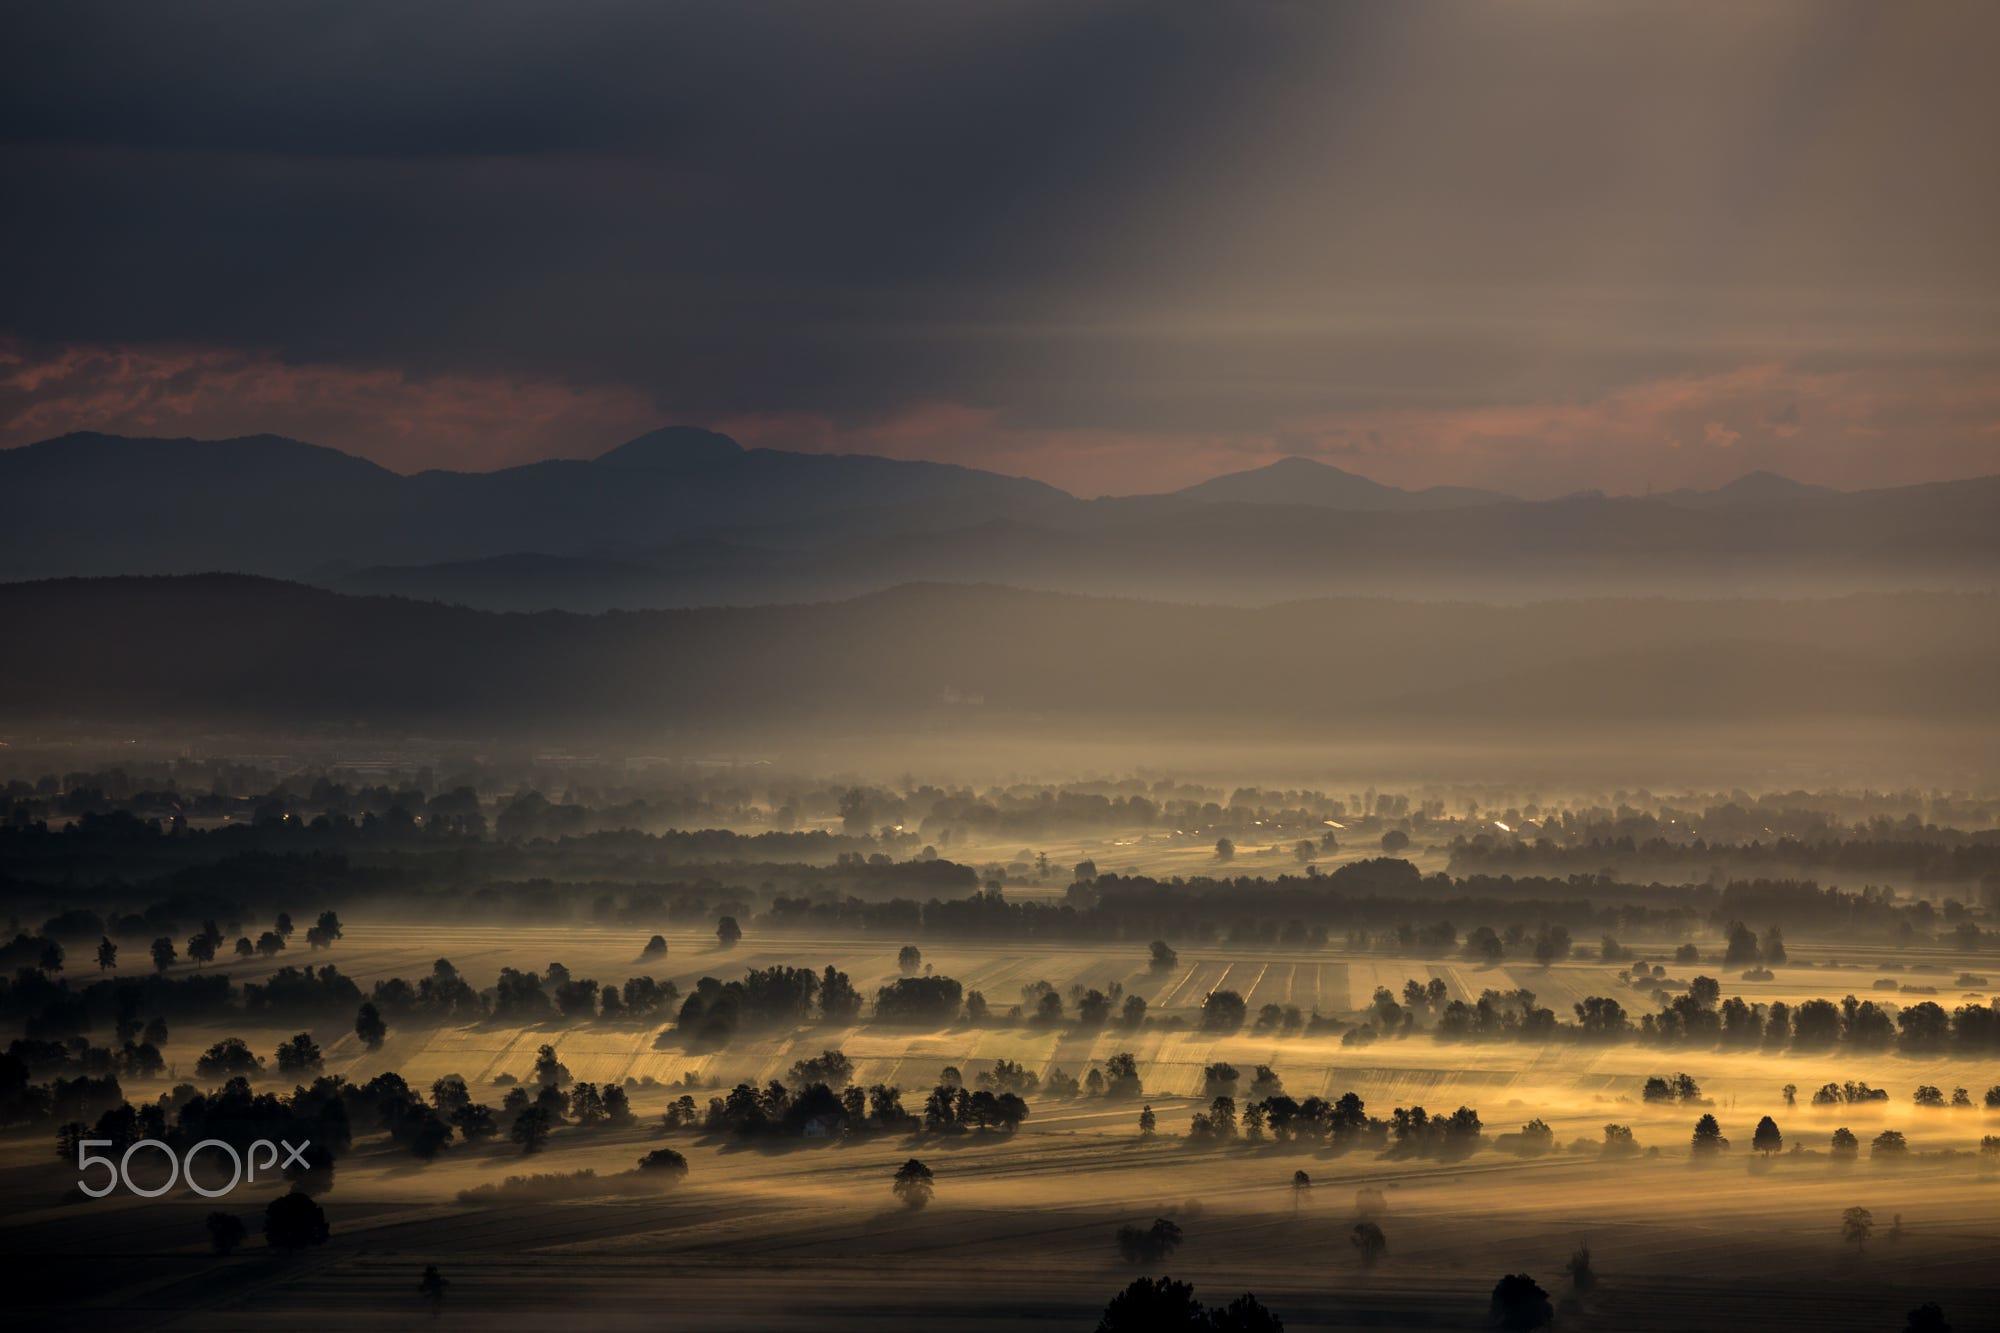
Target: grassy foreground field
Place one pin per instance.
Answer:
(809, 1236)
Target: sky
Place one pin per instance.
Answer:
(1540, 247)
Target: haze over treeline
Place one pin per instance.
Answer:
(936, 656)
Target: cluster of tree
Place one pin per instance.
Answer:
(1697, 1016)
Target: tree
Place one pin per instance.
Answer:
(549, 1071)
(908, 959)
(656, 947)
(1163, 957)
(107, 955)
(1889, 1143)
(270, 944)
(225, 1232)
(283, 925)
(1149, 1245)
(914, 1184)
(1767, 1139)
(325, 931)
(1519, 1304)
(1742, 949)
(1791, 1091)
(666, 1162)
(1305, 853)
(300, 1057)
(1926, 1318)
(1395, 840)
(1708, 1139)
(1225, 850)
(474, 1122)
(727, 932)
(1368, 1242)
(1855, 1226)
(531, 1129)
(1223, 1011)
(163, 954)
(1581, 1275)
(294, 1222)
(1148, 1122)
(229, 1058)
(1154, 1305)
(431, 1286)
(1301, 1187)
(1844, 1144)
(201, 948)
(368, 1026)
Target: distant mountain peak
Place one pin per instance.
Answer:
(1764, 482)
(672, 448)
(1297, 479)
(1759, 487)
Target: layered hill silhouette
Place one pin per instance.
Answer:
(247, 651)
(684, 517)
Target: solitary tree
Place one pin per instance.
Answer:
(1708, 1140)
(1581, 1275)
(1163, 956)
(1149, 1245)
(1225, 850)
(550, 1072)
(293, 1222)
(225, 1232)
(368, 1026)
(107, 954)
(1519, 1304)
(914, 1184)
(1368, 1242)
(1767, 1139)
(163, 953)
(322, 933)
(1155, 1305)
(432, 1285)
(1791, 1091)
(300, 1056)
(1855, 1226)
(1301, 1186)
(1926, 1318)
(908, 959)
(656, 947)
(727, 932)
(1148, 1122)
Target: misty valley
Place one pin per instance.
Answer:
(780, 1049)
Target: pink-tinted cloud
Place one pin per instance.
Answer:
(408, 423)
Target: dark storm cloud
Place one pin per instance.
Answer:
(1189, 234)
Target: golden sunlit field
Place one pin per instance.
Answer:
(808, 1234)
